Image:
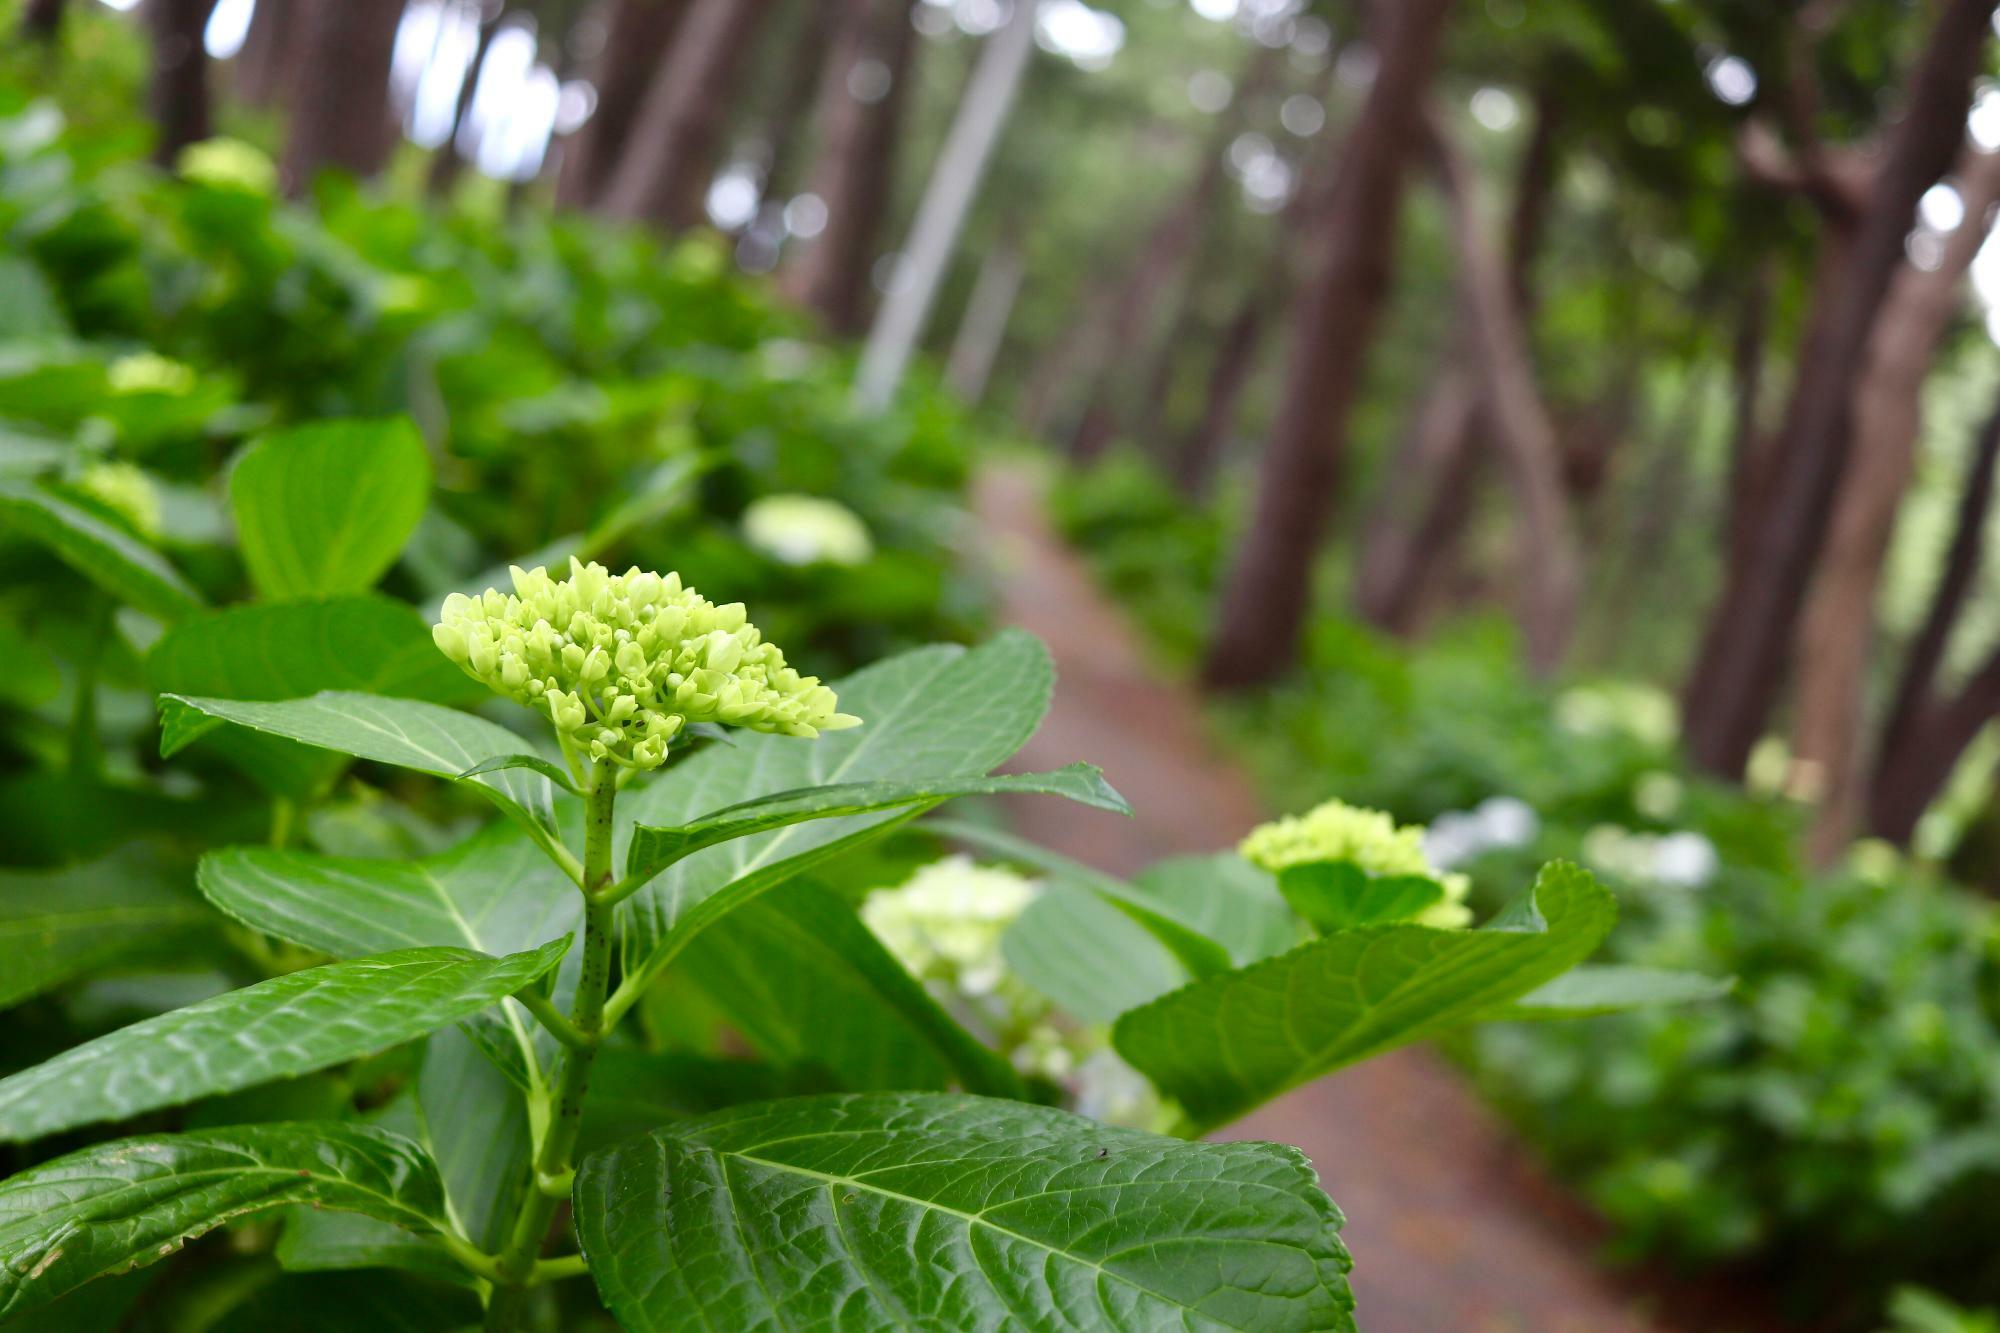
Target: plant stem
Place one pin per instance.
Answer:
(516, 1263)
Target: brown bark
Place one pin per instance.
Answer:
(1534, 191)
(790, 123)
(449, 158)
(1746, 440)
(1264, 605)
(1200, 453)
(340, 102)
(1158, 270)
(856, 171)
(1422, 490)
(177, 95)
(669, 160)
(1922, 736)
(261, 64)
(637, 34)
(1511, 407)
(41, 20)
(1738, 673)
(1837, 628)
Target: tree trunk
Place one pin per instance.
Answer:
(1264, 606)
(1838, 624)
(1746, 436)
(669, 160)
(1161, 266)
(340, 108)
(261, 66)
(961, 163)
(1738, 672)
(1421, 493)
(637, 34)
(177, 95)
(860, 118)
(41, 20)
(1920, 738)
(450, 155)
(1512, 409)
(984, 325)
(1200, 454)
(790, 121)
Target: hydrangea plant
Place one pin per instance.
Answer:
(536, 1132)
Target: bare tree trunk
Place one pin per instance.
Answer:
(177, 95)
(1746, 454)
(41, 20)
(1838, 624)
(1200, 454)
(984, 325)
(1920, 739)
(862, 94)
(961, 163)
(1738, 673)
(260, 66)
(1429, 472)
(1264, 606)
(1161, 265)
(1511, 406)
(450, 155)
(664, 173)
(637, 34)
(791, 115)
(340, 106)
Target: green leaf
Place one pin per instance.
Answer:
(1226, 899)
(286, 1026)
(133, 1202)
(57, 925)
(288, 650)
(102, 552)
(1610, 988)
(937, 712)
(1339, 895)
(324, 509)
(653, 849)
(1226, 1044)
(924, 1210)
(1093, 961)
(1193, 950)
(804, 981)
(407, 733)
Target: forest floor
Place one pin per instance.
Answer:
(1453, 1225)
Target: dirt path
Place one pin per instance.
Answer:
(1452, 1228)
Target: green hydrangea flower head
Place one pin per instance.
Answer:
(149, 372)
(806, 530)
(1370, 839)
(126, 490)
(229, 164)
(620, 663)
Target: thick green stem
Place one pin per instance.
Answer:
(553, 1164)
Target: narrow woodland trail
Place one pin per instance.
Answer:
(1452, 1226)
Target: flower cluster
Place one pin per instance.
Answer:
(1368, 839)
(806, 530)
(125, 490)
(229, 164)
(947, 924)
(620, 663)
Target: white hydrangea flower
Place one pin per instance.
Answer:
(806, 530)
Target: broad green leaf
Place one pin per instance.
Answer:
(102, 552)
(288, 650)
(632, 1091)
(1339, 895)
(925, 1210)
(315, 1240)
(133, 1202)
(1610, 988)
(324, 509)
(279, 1028)
(344, 1302)
(1226, 1044)
(1193, 950)
(405, 732)
(57, 925)
(653, 849)
(804, 981)
(1227, 899)
(1093, 961)
(936, 712)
